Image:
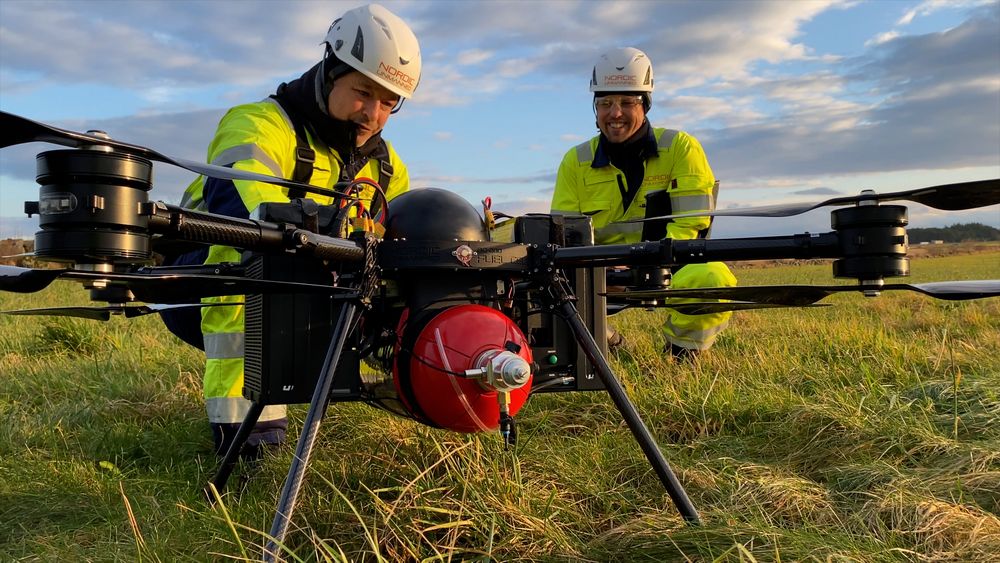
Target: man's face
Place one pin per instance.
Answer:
(619, 116)
(355, 97)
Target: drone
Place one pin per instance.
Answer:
(451, 323)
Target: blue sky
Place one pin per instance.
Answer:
(792, 100)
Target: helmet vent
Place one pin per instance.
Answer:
(358, 50)
(385, 27)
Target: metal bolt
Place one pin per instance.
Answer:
(872, 288)
(98, 146)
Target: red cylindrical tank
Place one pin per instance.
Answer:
(447, 345)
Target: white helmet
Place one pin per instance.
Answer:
(623, 70)
(377, 43)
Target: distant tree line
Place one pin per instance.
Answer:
(955, 233)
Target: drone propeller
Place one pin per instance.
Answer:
(158, 287)
(705, 308)
(105, 313)
(800, 295)
(26, 280)
(948, 197)
(18, 130)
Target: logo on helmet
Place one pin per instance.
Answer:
(396, 76)
(619, 80)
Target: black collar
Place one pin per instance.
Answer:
(644, 140)
(302, 97)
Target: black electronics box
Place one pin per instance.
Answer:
(288, 335)
(553, 346)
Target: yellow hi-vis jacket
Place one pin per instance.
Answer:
(257, 137)
(588, 184)
(584, 187)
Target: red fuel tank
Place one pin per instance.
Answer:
(429, 379)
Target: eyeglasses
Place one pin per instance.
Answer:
(627, 103)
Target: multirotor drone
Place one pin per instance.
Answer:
(453, 322)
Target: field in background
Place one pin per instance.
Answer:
(864, 431)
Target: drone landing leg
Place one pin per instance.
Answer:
(310, 428)
(229, 461)
(629, 413)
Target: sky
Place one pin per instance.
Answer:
(792, 100)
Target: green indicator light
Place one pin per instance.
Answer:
(553, 359)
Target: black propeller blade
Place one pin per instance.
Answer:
(949, 197)
(159, 287)
(18, 130)
(699, 308)
(105, 313)
(26, 280)
(799, 295)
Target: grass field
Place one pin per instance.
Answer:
(865, 431)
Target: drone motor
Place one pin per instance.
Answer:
(88, 208)
(873, 241)
(641, 278)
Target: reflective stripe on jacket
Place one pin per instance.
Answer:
(697, 332)
(680, 167)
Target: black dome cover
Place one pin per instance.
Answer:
(433, 214)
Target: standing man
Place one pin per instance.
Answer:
(322, 128)
(609, 177)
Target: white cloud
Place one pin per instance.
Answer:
(206, 43)
(928, 7)
(692, 111)
(882, 38)
(125, 44)
(473, 56)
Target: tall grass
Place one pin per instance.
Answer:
(864, 431)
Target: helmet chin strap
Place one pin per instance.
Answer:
(333, 68)
(352, 132)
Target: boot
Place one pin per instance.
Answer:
(681, 353)
(615, 339)
(267, 433)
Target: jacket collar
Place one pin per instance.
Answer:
(644, 139)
